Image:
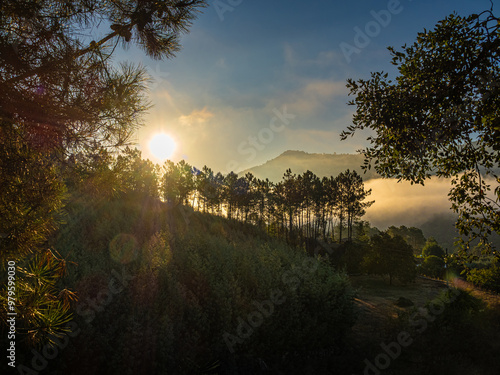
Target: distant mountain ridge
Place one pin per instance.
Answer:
(320, 164)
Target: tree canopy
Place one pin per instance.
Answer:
(440, 116)
(432, 248)
(414, 236)
(391, 256)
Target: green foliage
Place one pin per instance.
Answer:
(30, 210)
(177, 183)
(300, 208)
(31, 198)
(412, 235)
(459, 309)
(455, 333)
(350, 203)
(432, 248)
(440, 116)
(486, 278)
(352, 257)
(63, 100)
(193, 280)
(136, 175)
(455, 265)
(432, 266)
(390, 256)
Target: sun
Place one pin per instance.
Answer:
(162, 146)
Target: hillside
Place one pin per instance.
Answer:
(169, 290)
(320, 164)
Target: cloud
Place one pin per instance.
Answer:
(196, 117)
(323, 89)
(311, 96)
(311, 88)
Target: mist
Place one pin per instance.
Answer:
(400, 203)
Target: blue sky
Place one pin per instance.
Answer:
(256, 78)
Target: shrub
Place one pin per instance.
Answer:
(486, 278)
(455, 309)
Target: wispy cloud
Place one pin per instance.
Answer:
(312, 96)
(323, 59)
(196, 117)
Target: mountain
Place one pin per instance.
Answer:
(321, 164)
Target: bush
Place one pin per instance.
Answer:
(455, 309)
(486, 278)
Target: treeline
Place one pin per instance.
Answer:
(298, 207)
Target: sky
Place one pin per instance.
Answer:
(257, 78)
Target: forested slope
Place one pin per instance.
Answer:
(169, 290)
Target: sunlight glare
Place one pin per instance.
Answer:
(162, 146)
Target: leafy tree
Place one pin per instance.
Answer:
(432, 248)
(390, 256)
(292, 197)
(432, 266)
(440, 116)
(414, 236)
(262, 196)
(136, 175)
(60, 95)
(92, 172)
(247, 196)
(31, 203)
(363, 231)
(202, 185)
(300, 208)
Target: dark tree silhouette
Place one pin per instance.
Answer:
(59, 96)
(441, 116)
(390, 256)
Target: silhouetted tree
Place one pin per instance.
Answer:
(350, 203)
(178, 182)
(61, 95)
(440, 116)
(431, 247)
(414, 236)
(390, 256)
